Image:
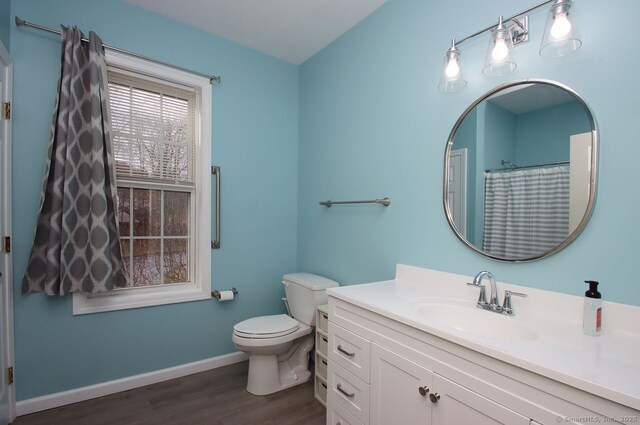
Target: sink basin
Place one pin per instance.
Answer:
(475, 321)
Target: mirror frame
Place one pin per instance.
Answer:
(592, 179)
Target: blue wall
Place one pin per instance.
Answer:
(543, 135)
(255, 135)
(499, 136)
(373, 124)
(5, 13)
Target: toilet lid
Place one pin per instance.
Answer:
(267, 326)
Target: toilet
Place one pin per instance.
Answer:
(279, 345)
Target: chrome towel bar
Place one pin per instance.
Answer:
(383, 201)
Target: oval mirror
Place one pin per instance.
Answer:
(520, 170)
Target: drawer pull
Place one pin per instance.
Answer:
(345, 352)
(423, 391)
(346, 394)
(325, 339)
(324, 362)
(323, 384)
(434, 397)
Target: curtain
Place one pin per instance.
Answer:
(76, 246)
(526, 212)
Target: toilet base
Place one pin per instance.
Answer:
(270, 373)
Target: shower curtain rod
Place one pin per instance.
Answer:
(212, 78)
(518, 167)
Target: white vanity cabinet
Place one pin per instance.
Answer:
(399, 389)
(384, 372)
(455, 404)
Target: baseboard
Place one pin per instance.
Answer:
(63, 398)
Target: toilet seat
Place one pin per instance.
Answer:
(264, 327)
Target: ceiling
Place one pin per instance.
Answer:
(530, 97)
(293, 30)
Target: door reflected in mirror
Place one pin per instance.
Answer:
(520, 169)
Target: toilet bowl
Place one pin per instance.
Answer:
(278, 348)
(279, 345)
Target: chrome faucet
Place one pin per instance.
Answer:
(493, 304)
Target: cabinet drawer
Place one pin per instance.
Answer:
(322, 342)
(323, 321)
(337, 415)
(321, 391)
(350, 351)
(348, 391)
(321, 366)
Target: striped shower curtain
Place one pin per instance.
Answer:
(526, 212)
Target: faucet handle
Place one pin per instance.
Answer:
(506, 304)
(482, 298)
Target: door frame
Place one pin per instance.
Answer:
(462, 153)
(6, 67)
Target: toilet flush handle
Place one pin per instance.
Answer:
(286, 303)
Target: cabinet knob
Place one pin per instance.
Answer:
(423, 390)
(434, 397)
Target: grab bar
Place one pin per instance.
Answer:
(383, 201)
(215, 170)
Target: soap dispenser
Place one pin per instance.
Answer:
(592, 320)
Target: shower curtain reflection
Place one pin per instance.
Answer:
(526, 212)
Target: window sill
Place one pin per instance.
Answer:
(126, 299)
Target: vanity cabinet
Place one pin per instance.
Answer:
(399, 389)
(383, 372)
(455, 404)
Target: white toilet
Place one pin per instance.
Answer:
(278, 345)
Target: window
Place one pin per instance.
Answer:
(160, 122)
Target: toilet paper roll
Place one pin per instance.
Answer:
(225, 296)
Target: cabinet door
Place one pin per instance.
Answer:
(395, 390)
(454, 404)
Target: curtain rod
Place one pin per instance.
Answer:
(212, 78)
(518, 167)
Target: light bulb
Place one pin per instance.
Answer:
(453, 69)
(561, 26)
(500, 51)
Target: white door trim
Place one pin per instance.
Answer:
(6, 67)
(462, 175)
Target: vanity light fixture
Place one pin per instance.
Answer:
(560, 33)
(560, 38)
(451, 79)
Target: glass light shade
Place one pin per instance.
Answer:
(451, 79)
(561, 35)
(498, 60)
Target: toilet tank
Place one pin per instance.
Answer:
(306, 291)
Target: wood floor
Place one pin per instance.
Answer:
(216, 397)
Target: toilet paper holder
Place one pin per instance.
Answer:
(215, 293)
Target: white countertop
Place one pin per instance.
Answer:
(607, 365)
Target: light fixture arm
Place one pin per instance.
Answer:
(510, 18)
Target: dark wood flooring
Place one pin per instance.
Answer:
(216, 397)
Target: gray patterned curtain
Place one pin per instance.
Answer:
(76, 246)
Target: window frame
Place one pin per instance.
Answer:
(200, 287)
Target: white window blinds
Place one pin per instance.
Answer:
(153, 126)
